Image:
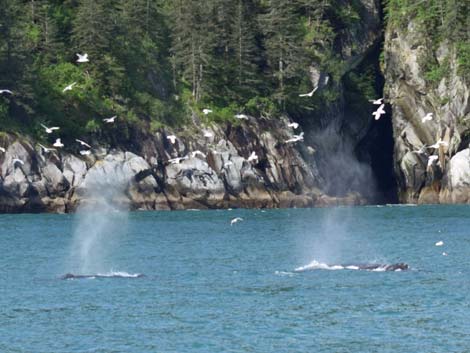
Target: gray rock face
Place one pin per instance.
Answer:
(411, 98)
(217, 176)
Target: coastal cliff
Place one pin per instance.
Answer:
(425, 73)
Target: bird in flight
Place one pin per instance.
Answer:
(58, 143)
(241, 116)
(293, 125)
(49, 130)
(3, 149)
(5, 91)
(439, 144)
(197, 153)
(177, 160)
(110, 120)
(17, 160)
(309, 94)
(296, 138)
(206, 111)
(69, 87)
(439, 243)
(235, 220)
(82, 58)
(427, 117)
(376, 101)
(83, 143)
(379, 112)
(46, 149)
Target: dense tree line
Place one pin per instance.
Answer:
(152, 61)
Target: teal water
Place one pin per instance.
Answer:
(212, 287)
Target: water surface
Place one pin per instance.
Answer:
(212, 287)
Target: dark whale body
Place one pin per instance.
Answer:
(401, 266)
(72, 276)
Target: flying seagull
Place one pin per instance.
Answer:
(376, 101)
(296, 138)
(293, 125)
(58, 143)
(110, 120)
(439, 144)
(69, 87)
(439, 243)
(309, 94)
(427, 117)
(177, 160)
(49, 130)
(172, 139)
(206, 111)
(5, 91)
(379, 112)
(46, 149)
(235, 220)
(82, 58)
(197, 153)
(241, 116)
(3, 149)
(83, 143)
(252, 157)
(16, 160)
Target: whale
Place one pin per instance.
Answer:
(114, 275)
(376, 267)
(401, 266)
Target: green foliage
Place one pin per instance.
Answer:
(463, 59)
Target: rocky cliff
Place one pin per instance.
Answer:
(213, 173)
(431, 156)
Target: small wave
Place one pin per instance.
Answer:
(284, 273)
(315, 265)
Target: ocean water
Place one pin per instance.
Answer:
(270, 283)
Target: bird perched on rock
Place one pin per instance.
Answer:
(85, 152)
(380, 111)
(3, 149)
(82, 58)
(427, 117)
(431, 160)
(58, 143)
(208, 134)
(241, 116)
(252, 157)
(439, 144)
(172, 139)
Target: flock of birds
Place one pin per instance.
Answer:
(83, 58)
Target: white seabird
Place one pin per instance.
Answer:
(82, 58)
(110, 120)
(49, 130)
(379, 112)
(235, 220)
(69, 87)
(58, 143)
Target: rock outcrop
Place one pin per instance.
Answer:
(421, 179)
(218, 176)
